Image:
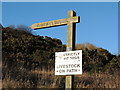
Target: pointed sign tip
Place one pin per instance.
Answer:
(31, 27)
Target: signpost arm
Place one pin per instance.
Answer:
(70, 46)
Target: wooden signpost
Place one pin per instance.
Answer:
(71, 23)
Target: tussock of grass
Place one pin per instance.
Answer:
(97, 80)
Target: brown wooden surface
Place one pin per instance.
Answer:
(69, 84)
(55, 23)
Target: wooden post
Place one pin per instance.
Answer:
(70, 46)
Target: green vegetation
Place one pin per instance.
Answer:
(28, 60)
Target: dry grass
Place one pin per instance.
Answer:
(47, 79)
(97, 80)
(84, 46)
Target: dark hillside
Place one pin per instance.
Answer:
(23, 52)
(21, 48)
